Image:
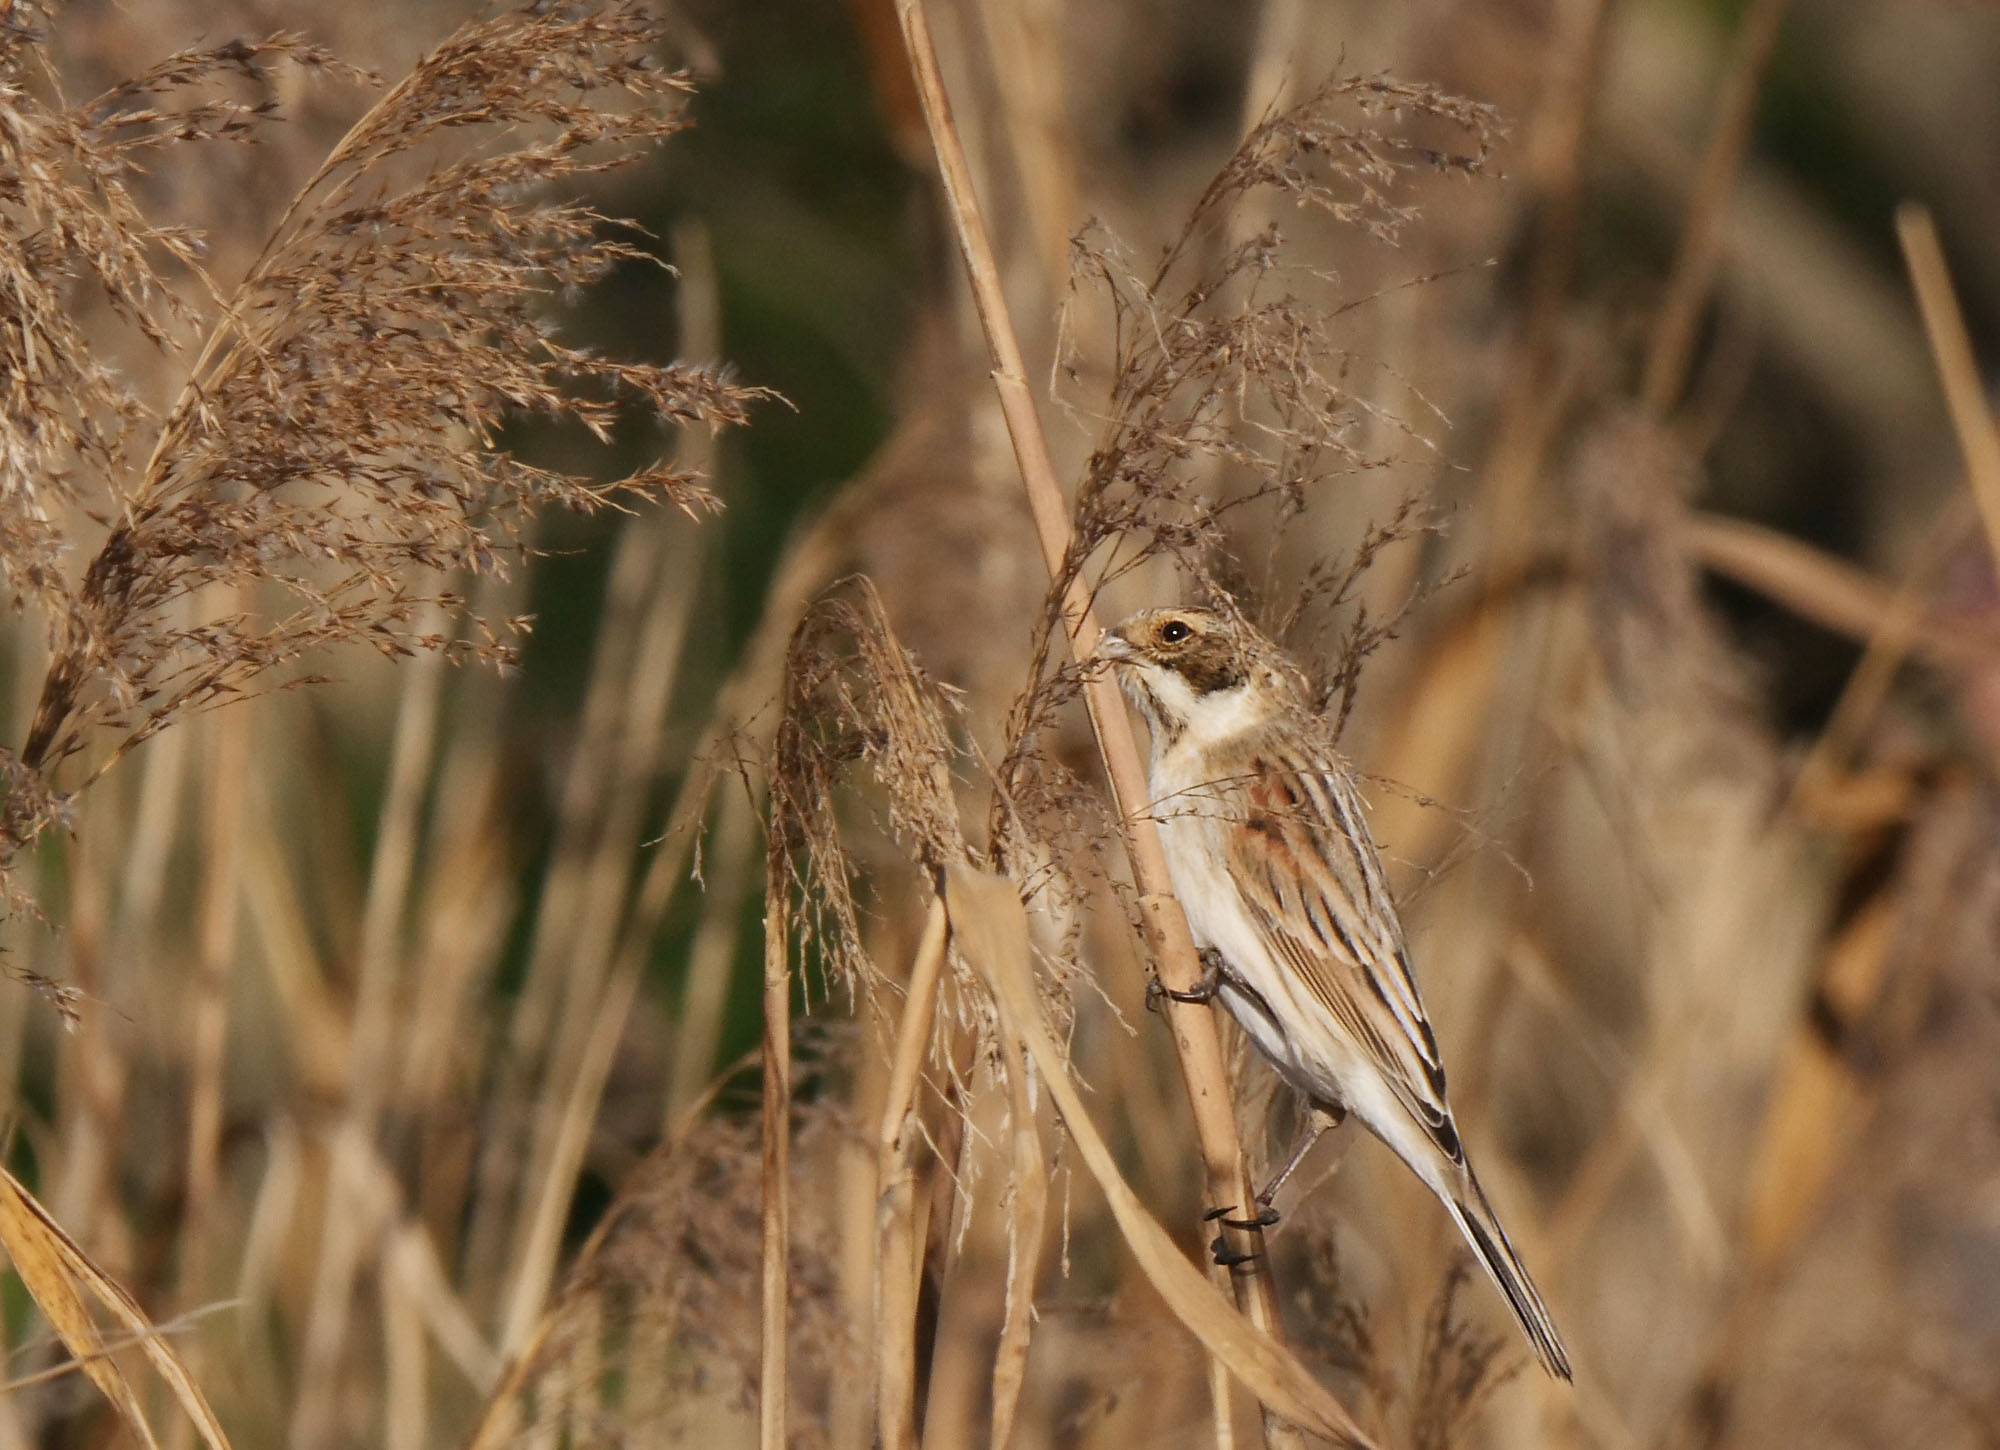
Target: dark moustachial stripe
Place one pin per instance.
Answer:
(1157, 715)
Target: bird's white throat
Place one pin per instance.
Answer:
(1193, 724)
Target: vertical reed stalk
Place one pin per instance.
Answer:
(220, 915)
(1195, 1037)
(777, 1167)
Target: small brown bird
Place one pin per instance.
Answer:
(1283, 888)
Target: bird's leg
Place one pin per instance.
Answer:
(1204, 990)
(1318, 1120)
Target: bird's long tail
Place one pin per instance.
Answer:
(1482, 1230)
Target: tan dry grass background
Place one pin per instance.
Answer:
(399, 1081)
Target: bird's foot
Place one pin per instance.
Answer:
(1228, 1258)
(1266, 1216)
(1202, 991)
(1224, 1255)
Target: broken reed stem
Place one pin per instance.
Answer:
(1893, 641)
(777, 1171)
(1679, 320)
(1958, 370)
(896, 1266)
(1173, 951)
(1827, 590)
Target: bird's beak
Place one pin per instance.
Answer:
(1114, 647)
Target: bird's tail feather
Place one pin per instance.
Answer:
(1476, 1220)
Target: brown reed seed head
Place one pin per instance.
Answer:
(334, 448)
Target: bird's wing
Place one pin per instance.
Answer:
(1299, 851)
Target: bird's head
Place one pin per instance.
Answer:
(1195, 669)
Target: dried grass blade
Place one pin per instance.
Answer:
(895, 1197)
(991, 929)
(55, 1271)
(34, 1243)
(1672, 344)
(1958, 369)
(1030, 1190)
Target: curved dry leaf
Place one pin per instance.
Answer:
(58, 1274)
(991, 929)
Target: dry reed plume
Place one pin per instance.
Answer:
(335, 441)
(331, 461)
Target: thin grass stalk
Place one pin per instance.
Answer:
(146, 852)
(777, 1166)
(370, 1046)
(896, 1266)
(1818, 1100)
(411, 1261)
(504, 1220)
(596, 1009)
(220, 917)
(1671, 346)
(94, 1073)
(851, 1397)
(1702, 1234)
(728, 871)
(1221, 1402)
(317, 1036)
(1958, 369)
(65, 1284)
(1195, 1037)
(1025, 40)
(268, 1222)
(469, 902)
(586, 781)
(1530, 408)
(405, 1369)
(577, 1116)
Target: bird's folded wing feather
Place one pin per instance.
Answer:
(1298, 850)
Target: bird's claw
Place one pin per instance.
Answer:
(1266, 1216)
(1202, 991)
(1228, 1258)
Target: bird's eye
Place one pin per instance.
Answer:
(1174, 631)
